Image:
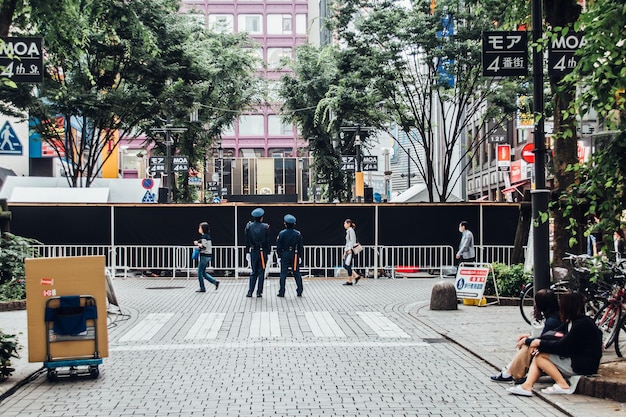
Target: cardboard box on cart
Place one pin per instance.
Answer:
(64, 276)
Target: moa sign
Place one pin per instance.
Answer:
(21, 59)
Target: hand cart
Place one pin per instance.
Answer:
(71, 319)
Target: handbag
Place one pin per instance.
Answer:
(196, 254)
(356, 249)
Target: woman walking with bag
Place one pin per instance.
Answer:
(348, 253)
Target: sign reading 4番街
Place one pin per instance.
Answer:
(21, 59)
(505, 54)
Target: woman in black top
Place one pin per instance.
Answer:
(577, 353)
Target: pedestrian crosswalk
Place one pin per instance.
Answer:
(208, 326)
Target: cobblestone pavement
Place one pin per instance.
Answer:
(374, 349)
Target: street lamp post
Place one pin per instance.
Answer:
(540, 196)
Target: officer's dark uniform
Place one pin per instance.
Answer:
(258, 245)
(290, 249)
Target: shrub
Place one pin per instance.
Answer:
(510, 280)
(13, 250)
(8, 350)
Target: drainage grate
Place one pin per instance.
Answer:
(439, 340)
(163, 288)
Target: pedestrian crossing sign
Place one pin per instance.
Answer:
(148, 197)
(9, 142)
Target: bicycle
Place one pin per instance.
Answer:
(580, 280)
(612, 317)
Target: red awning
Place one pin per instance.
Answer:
(514, 186)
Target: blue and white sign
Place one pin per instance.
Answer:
(9, 142)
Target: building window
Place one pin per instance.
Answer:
(276, 127)
(221, 23)
(251, 125)
(301, 24)
(274, 56)
(250, 23)
(279, 24)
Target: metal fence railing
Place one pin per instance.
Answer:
(317, 260)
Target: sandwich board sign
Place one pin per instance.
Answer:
(471, 280)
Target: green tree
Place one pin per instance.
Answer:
(600, 184)
(322, 98)
(422, 63)
(108, 65)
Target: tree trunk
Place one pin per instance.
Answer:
(562, 13)
(6, 16)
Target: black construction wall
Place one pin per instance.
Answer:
(320, 224)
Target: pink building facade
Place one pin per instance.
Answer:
(277, 27)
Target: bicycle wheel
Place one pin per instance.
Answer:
(526, 302)
(620, 337)
(607, 321)
(593, 305)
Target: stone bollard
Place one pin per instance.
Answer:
(443, 296)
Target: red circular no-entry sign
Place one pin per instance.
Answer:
(528, 153)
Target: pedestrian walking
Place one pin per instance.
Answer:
(206, 252)
(466, 251)
(258, 247)
(348, 253)
(618, 245)
(290, 249)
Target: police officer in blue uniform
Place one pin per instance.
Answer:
(290, 249)
(258, 246)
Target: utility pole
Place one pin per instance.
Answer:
(540, 195)
(168, 130)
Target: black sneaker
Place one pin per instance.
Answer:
(217, 284)
(249, 295)
(500, 378)
(520, 381)
(200, 290)
(347, 283)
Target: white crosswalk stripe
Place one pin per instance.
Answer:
(265, 324)
(206, 326)
(381, 324)
(147, 328)
(323, 324)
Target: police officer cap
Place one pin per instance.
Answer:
(258, 212)
(289, 219)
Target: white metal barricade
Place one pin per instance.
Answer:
(324, 261)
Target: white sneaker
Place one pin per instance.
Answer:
(518, 390)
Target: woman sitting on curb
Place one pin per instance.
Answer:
(577, 353)
(546, 310)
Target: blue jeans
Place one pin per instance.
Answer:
(347, 263)
(202, 273)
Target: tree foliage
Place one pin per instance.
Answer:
(601, 70)
(117, 69)
(421, 67)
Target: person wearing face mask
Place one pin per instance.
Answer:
(466, 251)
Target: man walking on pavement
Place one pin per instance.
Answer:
(289, 248)
(258, 246)
(466, 252)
